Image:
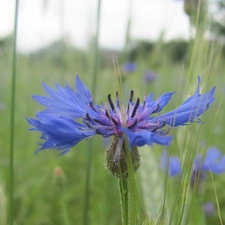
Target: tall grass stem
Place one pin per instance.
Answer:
(124, 199)
(12, 121)
(89, 150)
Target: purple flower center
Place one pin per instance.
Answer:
(109, 121)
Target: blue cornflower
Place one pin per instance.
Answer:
(209, 208)
(213, 162)
(129, 67)
(149, 76)
(71, 116)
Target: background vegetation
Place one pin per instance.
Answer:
(49, 189)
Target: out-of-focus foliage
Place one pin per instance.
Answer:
(218, 24)
(41, 198)
(196, 10)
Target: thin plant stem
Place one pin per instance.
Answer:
(127, 37)
(12, 121)
(65, 216)
(124, 199)
(89, 150)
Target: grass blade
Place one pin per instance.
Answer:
(12, 120)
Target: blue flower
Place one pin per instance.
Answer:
(213, 162)
(149, 76)
(173, 167)
(129, 67)
(209, 208)
(71, 116)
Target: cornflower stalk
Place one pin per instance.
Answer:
(12, 121)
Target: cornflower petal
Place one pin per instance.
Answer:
(139, 138)
(65, 101)
(59, 132)
(160, 102)
(214, 161)
(173, 164)
(190, 110)
(142, 138)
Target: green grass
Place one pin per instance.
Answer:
(42, 197)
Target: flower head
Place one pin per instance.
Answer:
(149, 76)
(129, 67)
(209, 208)
(71, 116)
(213, 162)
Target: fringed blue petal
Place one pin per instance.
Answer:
(190, 110)
(59, 132)
(214, 161)
(141, 138)
(173, 164)
(65, 101)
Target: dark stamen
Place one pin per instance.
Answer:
(131, 95)
(163, 124)
(107, 114)
(110, 102)
(155, 129)
(134, 124)
(91, 104)
(167, 131)
(89, 125)
(117, 97)
(156, 109)
(88, 117)
(98, 121)
(130, 100)
(98, 132)
(135, 107)
(114, 121)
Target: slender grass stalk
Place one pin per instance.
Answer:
(124, 199)
(89, 151)
(127, 37)
(64, 210)
(12, 120)
(216, 197)
(62, 41)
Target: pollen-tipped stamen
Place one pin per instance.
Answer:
(110, 102)
(156, 109)
(88, 117)
(91, 104)
(135, 107)
(130, 100)
(133, 124)
(131, 95)
(114, 121)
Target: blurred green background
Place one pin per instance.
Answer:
(50, 189)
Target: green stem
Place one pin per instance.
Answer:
(124, 199)
(65, 216)
(89, 150)
(87, 184)
(127, 37)
(96, 50)
(12, 120)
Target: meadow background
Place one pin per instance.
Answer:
(52, 189)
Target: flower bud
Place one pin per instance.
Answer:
(116, 157)
(59, 177)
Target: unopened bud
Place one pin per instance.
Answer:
(116, 157)
(59, 176)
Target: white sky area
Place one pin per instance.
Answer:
(44, 21)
